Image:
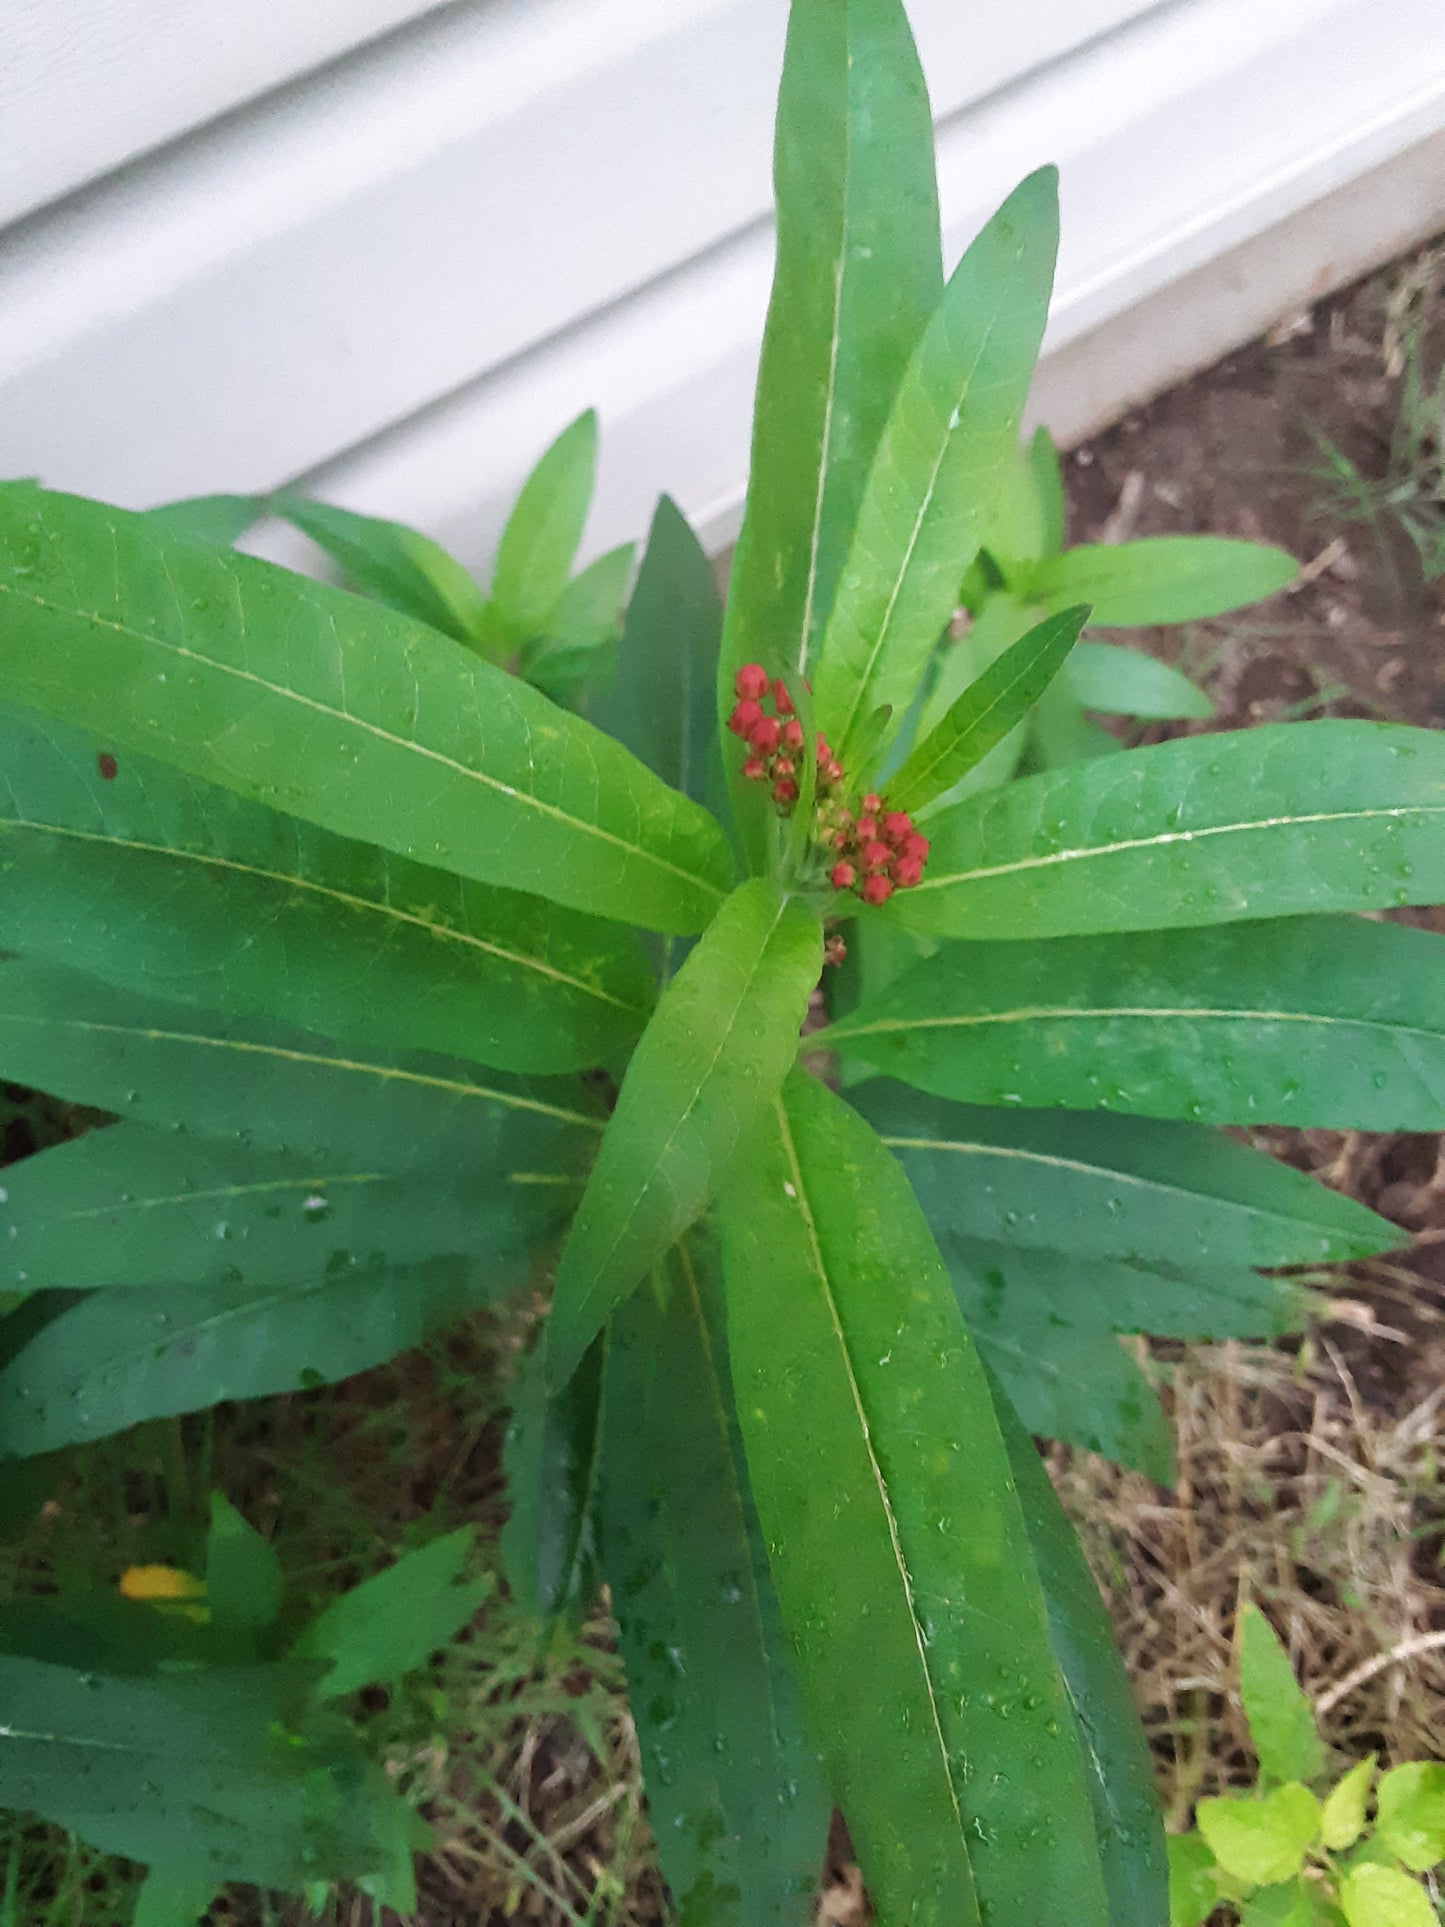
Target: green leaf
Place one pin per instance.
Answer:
(1263, 1841)
(738, 1807)
(1281, 1720)
(1193, 1889)
(1331, 1023)
(243, 1574)
(1385, 1897)
(881, 1481)
(339, 711)
(392, 1623)
(215, 521)
(1067, 1379)
(589, 608)
(132, 1206)
(1293, 1904)
(858, 274)
(239, 1081)
(1162, 578)
(155, 881)
(950, 435)
(169, 1899)
(551, 1463)
(1343, 1819)
(660, 705)
(1060, 733)
(992, 632)
(1101, 1186)
(1127, 682)
(703, 1074)
(1410, 1817)
(535, 555)
(118, 1357)
(1118, 1770)
(1026, 515)
(986, 711)
(192, 1769)
(1276, 821)
(399, 566)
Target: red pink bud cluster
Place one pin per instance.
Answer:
(878, 850)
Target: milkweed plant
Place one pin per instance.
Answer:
(806, 986)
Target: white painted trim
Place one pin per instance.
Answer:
(1200, 131)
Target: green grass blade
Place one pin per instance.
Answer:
(704, 1072)
(950, 435)
(153, 880)
(1320, 1023)
(339, 711)
(1277, 821)
(880, 1477)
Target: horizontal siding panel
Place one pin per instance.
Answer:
(88, 84)
(1201, 127)
(247, 306)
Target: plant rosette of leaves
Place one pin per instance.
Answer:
(1292, 1854)
(426, 942)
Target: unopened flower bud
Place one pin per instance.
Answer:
(872, 802)
(915, 848)
(896, 825)
(876, 890)
(905, 871)
(755, 768)
(834, 950)
(751, 681)
(874, 855)
(867, 827)
(764, 736)
(781, 697)
(785, 790)
(842, 876)
(793, 733)
(746, 717)
(783, 766)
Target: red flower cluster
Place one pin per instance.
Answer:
(878, 849)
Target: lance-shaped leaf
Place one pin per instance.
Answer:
(858, 274)
(588, 610)
(1144, 1191)
(213, 520)
(1117, 1767)
(338, 711)
(881, 1480)
(1331, 1022)
(1266, 822)
(194, 1770)
(553, 1452)
(118, 1357)
(1281, 1719)
(240, 1081)
(399, 566)
(132, 1206)
(1127, 682)
(1162, 578)
(661, 701)
(1066, 1379)
(158, 882)
(705, 1071)
(534, 557)
(1026, 515)
(986, 711)
(738, 1807)
(951, 433)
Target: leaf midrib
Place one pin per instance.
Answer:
(1245, 826)
(344, 717)
(446, 933)
(1035, 1013)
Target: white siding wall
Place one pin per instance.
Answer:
(401, 269)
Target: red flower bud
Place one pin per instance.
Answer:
(785, 790)
(839, 839)
(825, 755)
(906, 871)
(755, 768)
(764, 736)
(793, 733)
(783, 766)
(874, 855)
(833, 770)
(751, 681)
(842, 876)
(876, 890)
(867, 826)
(872, 801)
(781, 697)
(896, 825)
(745, 718)
(915, 848)
(834, 950)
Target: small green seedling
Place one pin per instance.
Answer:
(1301, 1851)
